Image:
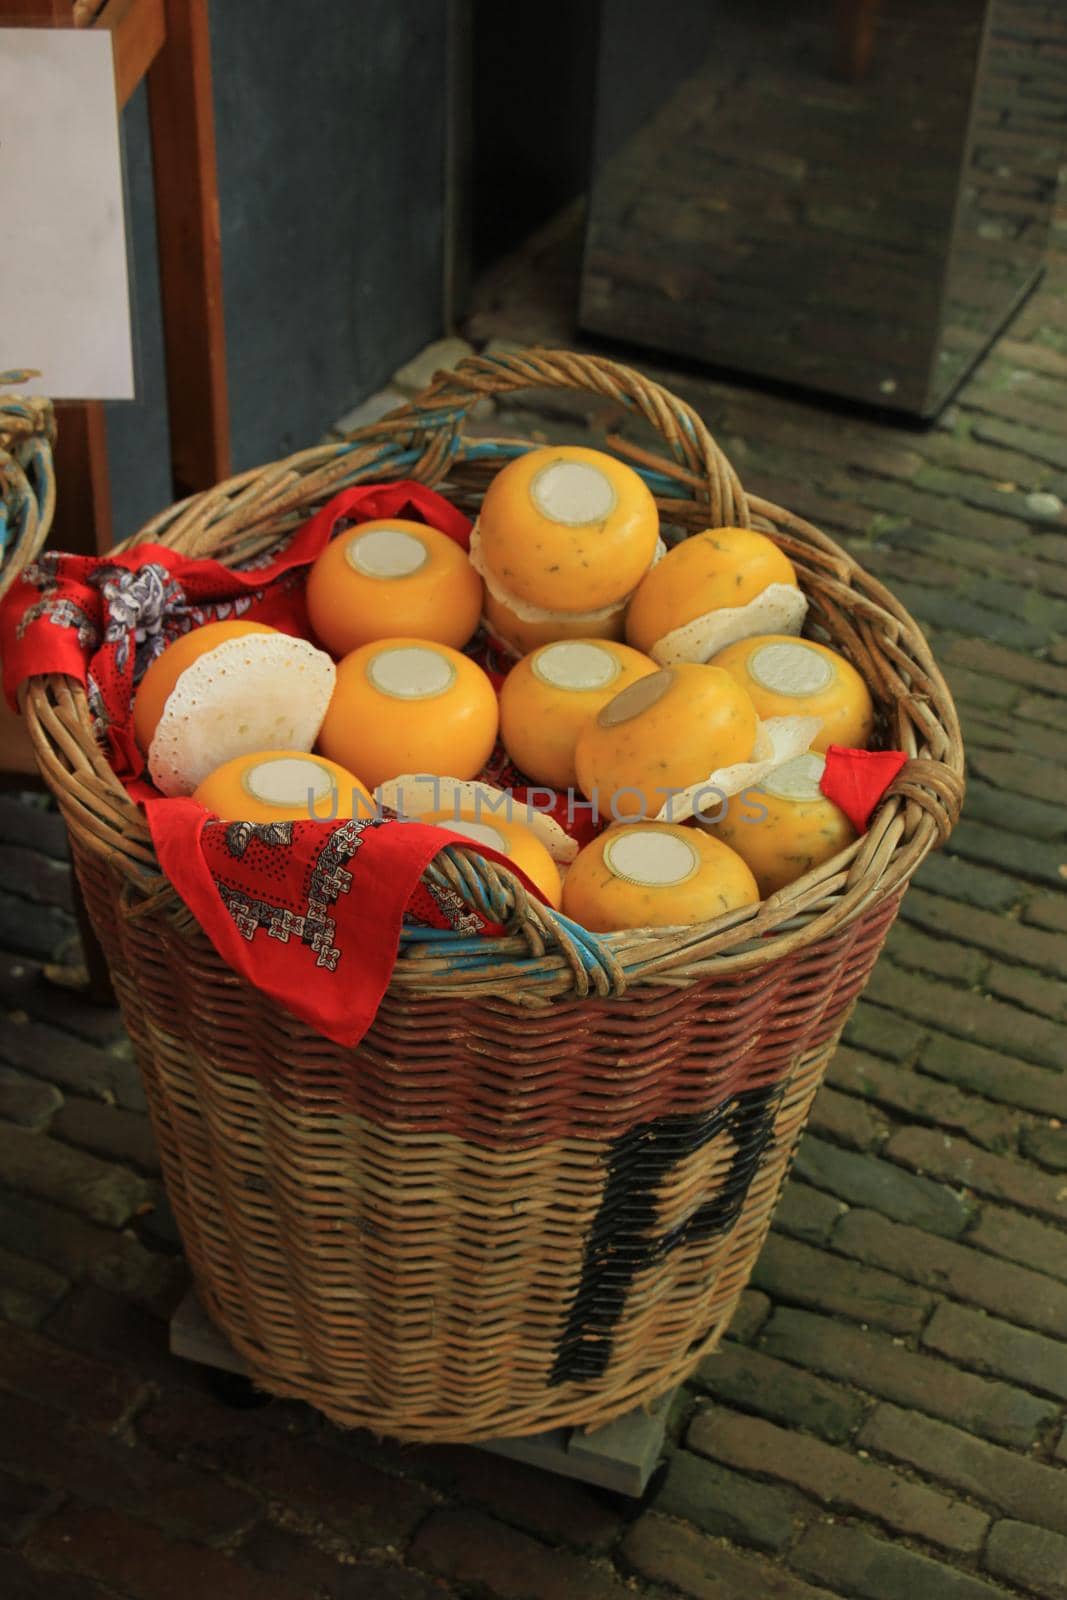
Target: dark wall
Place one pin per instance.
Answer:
(330, 121)
(533, 72)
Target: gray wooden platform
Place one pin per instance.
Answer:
(619, 1456)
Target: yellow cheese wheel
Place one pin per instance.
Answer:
(787, 677)
(163, 673)
(567, 528)
(509, 838)
(663, 733)
(284, 786)
(711, 570)
(388, 579)
(786, 826)
(551, 694)
(522, 635)
(655, 875)
(407, 705)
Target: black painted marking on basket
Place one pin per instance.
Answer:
(623, 1241)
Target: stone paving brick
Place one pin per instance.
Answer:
(133, 1559)
(333, 1487)
(473, 1549)
(1023, 775)
(24, 989)
(313, 1571)
(1000, 1478)
(40, 930)
(799, 1274)
(21, 1581)
(95, 1391)
(28, 1291)
(975, 886)
(1029, 1557)
(668, 1552)
(26, 1101)
(726, 1503)
(757, 1382)
(983, 656)
(941, 957)
(922, 1100)
(992, 1073)
(969, 1015)
(977, 688)
(109, 1132)
(75, 1066)
(22, 1505)
(888, 1369)
(1047, 1146)
(1004, 1288)
(83, 1250)
(1020, 1238)
(846, 1120)
(882, 1032)
(753, 1309)
(1027, 989)
(105, 1471)
(31, 820)
(1000, 935)
(806, 1213)
(35, 877)
(869, 1181)
(51, 1171)
(855, 1563)
(1047, 911)
(989, 1344)
(841, 1480)
(926, 1150)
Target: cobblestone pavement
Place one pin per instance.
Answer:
(887, 1417)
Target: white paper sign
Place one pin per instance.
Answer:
(64, 290)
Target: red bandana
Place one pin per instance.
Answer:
(856, 780)
(310, 912)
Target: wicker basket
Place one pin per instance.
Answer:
(27, 479)
(533, 1194)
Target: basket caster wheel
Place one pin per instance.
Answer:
(234, 1389)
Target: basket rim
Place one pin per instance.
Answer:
(542, 955)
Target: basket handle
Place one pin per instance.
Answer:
(451, 396)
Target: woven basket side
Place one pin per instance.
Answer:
(475, 1224)
(27, 478)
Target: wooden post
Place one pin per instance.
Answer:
(190, 251)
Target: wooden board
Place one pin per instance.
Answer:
(620, 1456)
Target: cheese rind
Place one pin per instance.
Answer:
(284, 786)
(406, 705)
(786, 826)
(392, 577)
(567, 529)
(655, 875)
(798, 677)
(550, 695)
(719, 568)
(664, 732)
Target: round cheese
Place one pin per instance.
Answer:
(567, 528)
(388, 579)
(655, 875)
(406, 705)
(661, 734)
(721, 567)
(787, 677)
(552, 693)
(786, 826)
(508, 837)
(521, 635)
(228, 689)
(284, 786)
